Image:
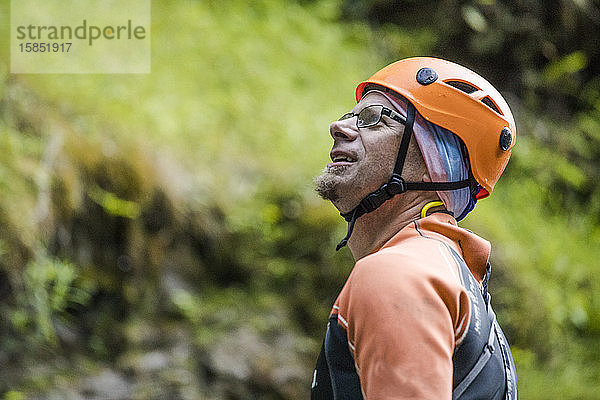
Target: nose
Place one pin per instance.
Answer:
(344, 130)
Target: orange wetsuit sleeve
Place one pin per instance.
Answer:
(403, 316)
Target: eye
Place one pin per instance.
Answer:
(369, 116)
(346, 116)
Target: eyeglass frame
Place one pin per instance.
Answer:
(384, 111)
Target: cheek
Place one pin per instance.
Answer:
(378, 164)
(383, 153)
(414, 165)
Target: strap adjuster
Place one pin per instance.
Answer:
(375, 199)
(395, 185)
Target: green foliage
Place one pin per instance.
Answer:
(225, 85)
(113, 204)
(50, 288)
(564, 66)
(14, 395)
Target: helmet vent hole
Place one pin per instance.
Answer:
(489, 102)
(463, 86)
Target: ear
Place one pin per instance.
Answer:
(415, 169)
(426, 177)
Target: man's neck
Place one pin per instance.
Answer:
(373, 229)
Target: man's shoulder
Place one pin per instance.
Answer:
(418, 270)
(417, 258)
(415, 249)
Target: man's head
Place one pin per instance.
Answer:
(363, 158)
(463, 127)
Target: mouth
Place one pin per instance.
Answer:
(340, 158)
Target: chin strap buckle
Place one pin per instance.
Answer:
(395, 185)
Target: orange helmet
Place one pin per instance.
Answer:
(456, 98)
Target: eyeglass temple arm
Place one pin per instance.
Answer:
(394, 115)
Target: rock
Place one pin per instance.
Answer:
(244, 359)
(153, 362)
(107, 385)
(235, 355)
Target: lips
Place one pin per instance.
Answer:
(340, 157)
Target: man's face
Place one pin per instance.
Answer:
(362, 159)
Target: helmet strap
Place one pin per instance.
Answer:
(396, 183)
(408, 132)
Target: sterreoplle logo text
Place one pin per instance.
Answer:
(80, 36)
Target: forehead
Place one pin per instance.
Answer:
(373, 97)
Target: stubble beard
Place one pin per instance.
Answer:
(344, 184)
(327, 185)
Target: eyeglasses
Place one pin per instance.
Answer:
(371, 116)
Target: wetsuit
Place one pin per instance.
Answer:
(413, 321)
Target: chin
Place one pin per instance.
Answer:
(326, 185)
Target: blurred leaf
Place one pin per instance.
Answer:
(474, 19)
(568, 64)
(50, 289)
(113, 204)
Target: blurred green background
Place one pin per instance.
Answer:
(159, 235)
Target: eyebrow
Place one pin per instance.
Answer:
(391, 107)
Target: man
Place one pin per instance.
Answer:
(427, 139)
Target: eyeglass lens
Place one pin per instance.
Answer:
(367, 117)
